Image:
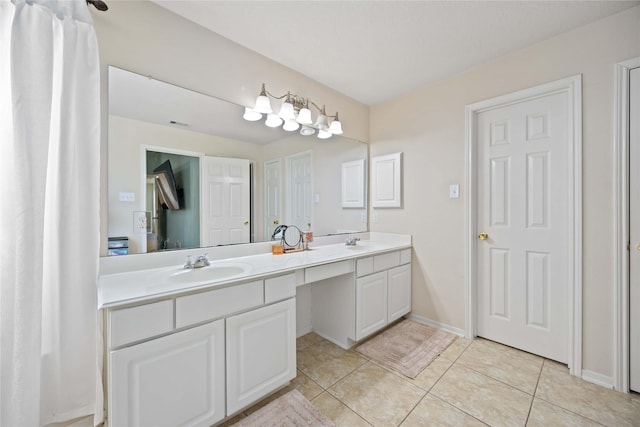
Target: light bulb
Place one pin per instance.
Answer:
(336, 127)
(273, 121)
(304, 116)
(291, 125)
(322, 122)
(307, 130)
(324, 134)
(263, 105)
(286, 112)
(251, 115)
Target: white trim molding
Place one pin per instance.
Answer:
(438, 325)
(621, 224)
(573, 87)
(598, 379)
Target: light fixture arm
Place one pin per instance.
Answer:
(297, 101)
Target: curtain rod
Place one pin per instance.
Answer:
(98, 4)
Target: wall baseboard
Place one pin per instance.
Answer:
(434, 324)
(598, 379)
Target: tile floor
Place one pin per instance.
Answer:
(472, 383)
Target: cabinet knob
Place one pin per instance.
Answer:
(246, 223)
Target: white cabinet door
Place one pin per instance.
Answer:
(261, 353)
(398, 292)
(170, 381)
(371, 304)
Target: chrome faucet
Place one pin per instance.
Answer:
(351, 241)
(201, 261)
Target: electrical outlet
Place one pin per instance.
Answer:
(375, 217)
(363, 217)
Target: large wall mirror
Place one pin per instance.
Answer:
(185, 170)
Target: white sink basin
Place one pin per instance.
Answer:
(206, 274)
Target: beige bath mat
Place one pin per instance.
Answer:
(407, 347)
(289, 410)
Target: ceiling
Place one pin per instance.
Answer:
(374, 51)
(146, 99)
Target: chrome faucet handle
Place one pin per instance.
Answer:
(203, 260)
(351, 241)
(189, 263)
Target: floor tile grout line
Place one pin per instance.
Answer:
(535, 390)
(345, 405)
(556, 405)
(498, 380)
(414, 407)
(454, 406)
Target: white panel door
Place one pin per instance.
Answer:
(261, 353)
(300, 190)
(522, 208)
(225, 201)
(371, 304)
(272, 197)
(634, 215)
(398, 292)
(177, 380)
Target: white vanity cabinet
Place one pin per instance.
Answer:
(198, 353)
(174, 380)
(383, 291)
(261, 353)
(196, 358)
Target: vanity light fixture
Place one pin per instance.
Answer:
(294, 114)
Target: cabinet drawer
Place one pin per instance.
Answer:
(279, 288)
(386, 261)
(217, 303)
(405, 256)
(321, 272)
(364, 266)
(138, 323)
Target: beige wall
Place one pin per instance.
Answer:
(428, 126)
(142, 37)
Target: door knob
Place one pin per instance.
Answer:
(276, 222)
(638, 247)
(483, 236)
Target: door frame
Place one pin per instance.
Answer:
(621, 184)
(143, 173)
(573, 87)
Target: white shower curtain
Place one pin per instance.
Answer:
(49, 212)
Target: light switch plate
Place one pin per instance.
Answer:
(127, 197)
(454, 191)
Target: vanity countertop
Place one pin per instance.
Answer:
(122, 288)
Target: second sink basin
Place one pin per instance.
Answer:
(205, 274)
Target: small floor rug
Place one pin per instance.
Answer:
(407, 347)
(289, 410)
